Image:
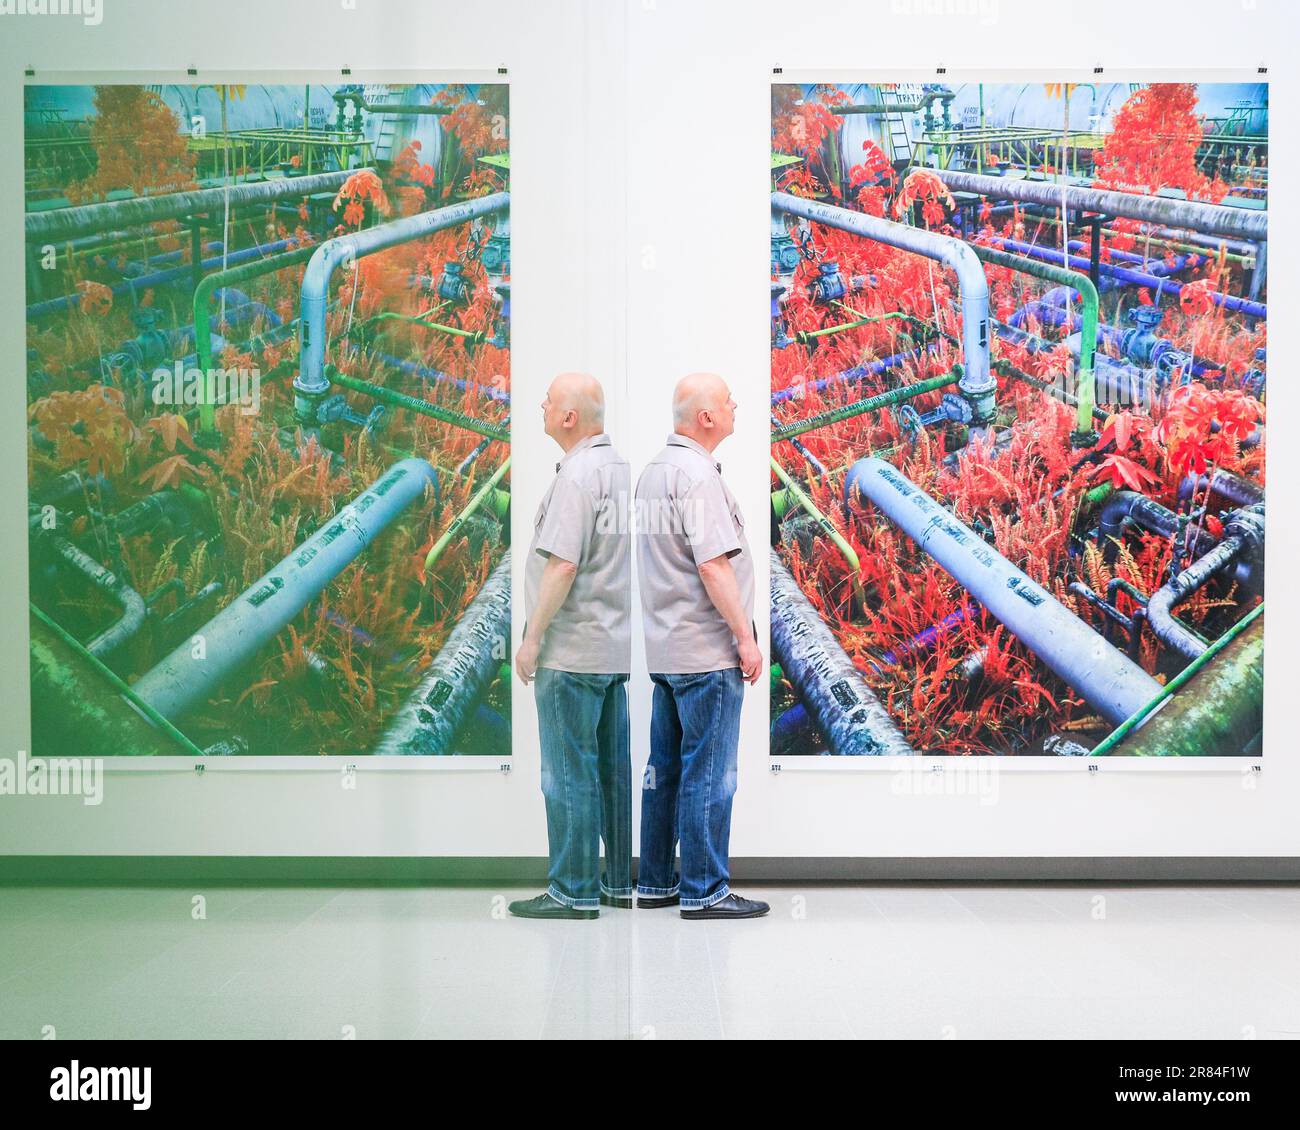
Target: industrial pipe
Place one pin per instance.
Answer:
(857, 373)
(131, 602)
(420, 407)
(859, 407)
(1219, 709)
(1186, 675)
(487, 490)
(828, 530)
(1211, 219)
(311, 384)
(203, 298)
(161, 278)
(850, 717)
(235, 635)
(1109, 681)
(1136, 278)
(1088, 342)
(468, 662)
(80, 704)
(67, 223)
(977, 383)
(1197, 575)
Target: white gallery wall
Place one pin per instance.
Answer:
(639, 153)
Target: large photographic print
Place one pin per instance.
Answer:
(268, 388)
(1018, 419)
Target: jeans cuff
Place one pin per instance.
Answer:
(657, 892)
(703, 904)
(577, 904)
(615, 892)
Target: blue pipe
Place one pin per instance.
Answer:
(413, 368)
(1115, 382)
(1110, 682)
(311, 383)
(136, 267)
(161, 278)
(791, 727)
(858, 373)
(927, 636)
(240, 630)
(816, 464)
(977, 383)
(1132, 278)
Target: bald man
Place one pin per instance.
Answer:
(577, 650)
(696, 576)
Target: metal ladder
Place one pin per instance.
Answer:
(895, 127)
(386, 132)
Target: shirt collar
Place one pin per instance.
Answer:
(679, 440)
(600, 439)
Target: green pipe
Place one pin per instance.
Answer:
(780, 503)
(1219, 714)
(478, 336)
(871, 404)
(1087, 391)
(389, 315)
(486, 491)
(203, 298)
(420, 407)
(803, 337)
(1213, 705)
(501, 503)
(81, 708)
(827, 527)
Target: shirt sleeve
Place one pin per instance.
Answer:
(706, 520)
(568, 524)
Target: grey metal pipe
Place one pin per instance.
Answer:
(238, 632)
(68, 223)
(977, 381)
(131, 602)
(1164, 600)
(930, 96)
(1109, 681)
(311, 381)
(852, 720)
(429, 719)
(1212, 219)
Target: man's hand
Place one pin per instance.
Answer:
(526, 660)
(751, 661)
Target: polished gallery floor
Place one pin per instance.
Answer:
(927, 962)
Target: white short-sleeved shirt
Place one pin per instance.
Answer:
(685, 516)
(584, 519)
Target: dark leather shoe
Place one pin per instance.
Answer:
(623, 902)
(733, 906)
(656, 902)
(543, 906)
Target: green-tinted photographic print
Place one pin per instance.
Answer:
(268, 389)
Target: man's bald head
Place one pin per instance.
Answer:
(574, 408)
(703, 409)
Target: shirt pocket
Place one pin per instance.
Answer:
(738, 520)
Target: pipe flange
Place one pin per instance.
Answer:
(1247, 524)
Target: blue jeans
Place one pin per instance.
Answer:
(688, 786)
(587, 783)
